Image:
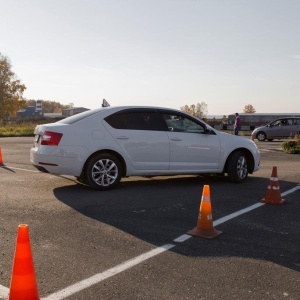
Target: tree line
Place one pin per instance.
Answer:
(11, 94)
(11, 97)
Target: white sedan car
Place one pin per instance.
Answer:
(101, 146)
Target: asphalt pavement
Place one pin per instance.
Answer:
(131, 242)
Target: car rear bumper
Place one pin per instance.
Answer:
(55, 164)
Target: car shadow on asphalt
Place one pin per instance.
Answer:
(158, 210)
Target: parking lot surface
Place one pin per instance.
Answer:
(131, 242)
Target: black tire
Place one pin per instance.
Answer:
(261, 136)
(81, 179)
(103, 171)
(237, 167)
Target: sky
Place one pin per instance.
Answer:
(169, 53)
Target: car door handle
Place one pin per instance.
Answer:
(177, 139)
(122, 137)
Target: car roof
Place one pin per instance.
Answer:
(113, 109)
(125, 107)
(136, 106)
(287, 118)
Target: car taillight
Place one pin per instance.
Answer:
(50, 138)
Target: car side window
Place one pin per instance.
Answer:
(135, 120)
(289, 122)
(277, 123)
(282, 123)
(179, 123)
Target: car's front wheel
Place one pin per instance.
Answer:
(237, 168)
(261, 136)
(103, 171)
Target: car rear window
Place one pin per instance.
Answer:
(80, 116)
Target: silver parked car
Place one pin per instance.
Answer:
(101, 146)
(279, 129)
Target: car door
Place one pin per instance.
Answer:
(140, 135)
(285, 128)
(274, 131)
(191, 148)
(297, 125)
(288, 128)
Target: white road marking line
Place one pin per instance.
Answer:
(79, 286)
(271, 150)
(290, 191)
(238, 213)
(182, 238)
(185, 237)
(3, 292)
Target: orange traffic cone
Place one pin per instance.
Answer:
(1, 161)
(204, 226)
(23, 283)
(273, 195)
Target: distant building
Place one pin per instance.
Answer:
(39, 107)
(37, 111)
(56, 116)
(31, 111)
(73, 111)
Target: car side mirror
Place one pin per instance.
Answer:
(208, 130)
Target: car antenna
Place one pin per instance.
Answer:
(105, 103)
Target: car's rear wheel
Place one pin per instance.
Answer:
(103, 171)
(261, 136)
(237, 167)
